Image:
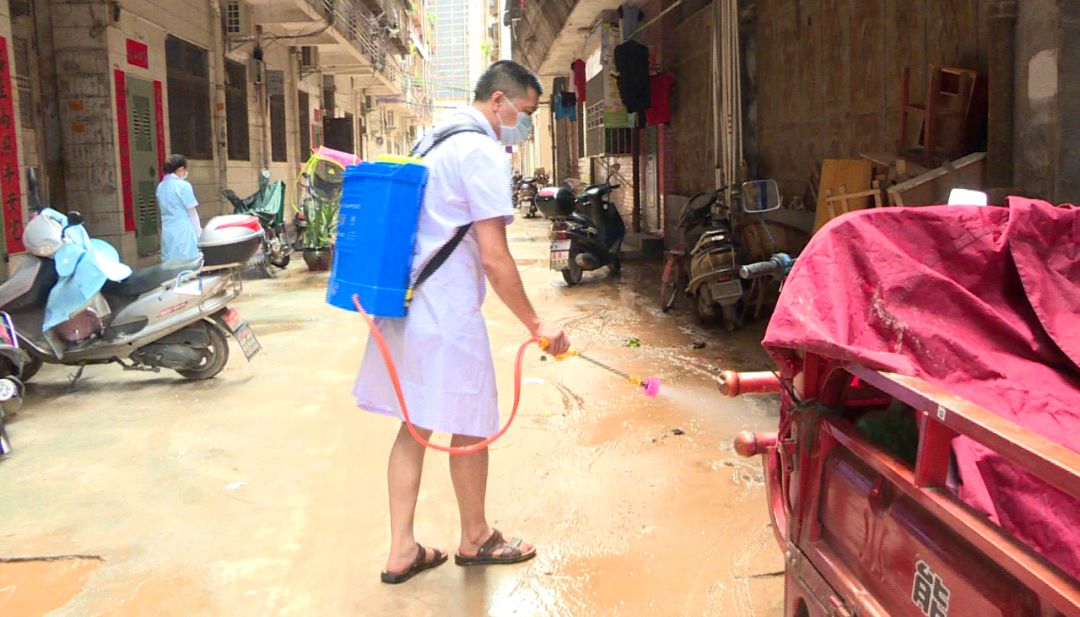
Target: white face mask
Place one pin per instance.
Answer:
(513, 135)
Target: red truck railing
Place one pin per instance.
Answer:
(941, 417)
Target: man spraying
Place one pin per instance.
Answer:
(441, 349)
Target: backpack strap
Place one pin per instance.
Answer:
(443, 135)
(447, 249)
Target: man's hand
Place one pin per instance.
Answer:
(558, 342)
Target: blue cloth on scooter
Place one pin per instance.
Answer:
(83, 265)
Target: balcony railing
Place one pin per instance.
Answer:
(358, 25)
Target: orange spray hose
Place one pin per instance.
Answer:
(458, 450)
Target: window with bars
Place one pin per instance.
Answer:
(236, 111)
(22, 81)
(188, 83)
(233, 22)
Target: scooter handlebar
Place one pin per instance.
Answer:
(779, 264)
(758, 270)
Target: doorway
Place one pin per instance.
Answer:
(143, 156)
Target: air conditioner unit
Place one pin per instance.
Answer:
(237, 16)
(309, 58)
(369, 104)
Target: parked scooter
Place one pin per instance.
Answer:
(586, 232)
(268, 203)
(710, 223)
(173, 315)
(515, 181)
(526, 196)
(12, 361)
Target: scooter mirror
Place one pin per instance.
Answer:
(74, 218)
(760, 196)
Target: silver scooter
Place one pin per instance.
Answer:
(174, 315)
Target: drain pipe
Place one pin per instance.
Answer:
(1001, 22)
(714, 82)
(221, 151)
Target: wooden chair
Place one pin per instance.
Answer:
(950, 120)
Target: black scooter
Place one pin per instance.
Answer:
(526, 196)
(586, 232)
(268, 203)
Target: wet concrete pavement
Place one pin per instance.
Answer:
(262, 492)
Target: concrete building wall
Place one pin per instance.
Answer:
(90, 46)
(1047, 100)
(828, 74)
(87, 116)
(690, 144)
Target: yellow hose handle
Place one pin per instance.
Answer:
(544, 344)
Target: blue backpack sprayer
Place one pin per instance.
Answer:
(371, 273)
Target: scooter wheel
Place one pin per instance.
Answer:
(281, 262)
(704, 307)
(573, 275)
(215, 358)
(30, 369)
(732, 318)
(615, 265)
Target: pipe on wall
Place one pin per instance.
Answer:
(1001, 22)
(221, 152)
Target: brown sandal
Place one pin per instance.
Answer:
(511, 552)
(418, 566)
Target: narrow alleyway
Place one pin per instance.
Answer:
(262, 492)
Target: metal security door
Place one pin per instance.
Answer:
(142, 129)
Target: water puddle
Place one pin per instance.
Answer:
(36, 587)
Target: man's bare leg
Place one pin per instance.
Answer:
(470, 474)
(403, 474)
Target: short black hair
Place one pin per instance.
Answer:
(175, 161)
(508, 77)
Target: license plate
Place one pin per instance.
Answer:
(725, 290)
(560, 254)
(240, 329)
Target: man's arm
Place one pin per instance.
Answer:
(503, 274)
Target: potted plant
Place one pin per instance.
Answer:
(321, 218)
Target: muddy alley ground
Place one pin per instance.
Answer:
(263, 492)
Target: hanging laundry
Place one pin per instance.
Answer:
(629, 17)
(560, 84)
(569, 99)
(563, 111)
(659, 112)
(578, 69)
(632, 62)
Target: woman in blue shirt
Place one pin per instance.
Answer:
(180, 226)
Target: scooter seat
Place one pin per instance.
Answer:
(579, 220)
(145, 279)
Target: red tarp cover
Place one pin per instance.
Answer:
(984, 302)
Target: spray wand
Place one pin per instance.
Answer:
(650, 385)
